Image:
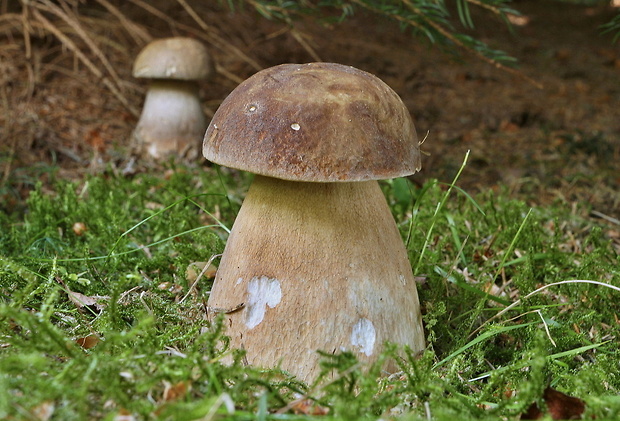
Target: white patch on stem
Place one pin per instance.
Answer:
(364, 336)
(262, 292)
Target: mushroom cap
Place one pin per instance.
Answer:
(177, 58)
(319, 122)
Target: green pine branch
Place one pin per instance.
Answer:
(613, 26)
(430, 19)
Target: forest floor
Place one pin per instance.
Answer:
(109, 258)
(559, 140)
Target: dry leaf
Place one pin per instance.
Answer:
(81, 300)
(170, 287)
(43, 411)
(508, 127)
(153, 206)
(88, 342)
(518, 20)
(559, 405)
(124, 415)
(95, 140)
(309, 407)
(195, 268)
(79, 228)
(176, 391)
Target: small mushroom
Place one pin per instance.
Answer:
(172, 121)
(314, 254)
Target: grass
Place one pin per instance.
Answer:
(106, 322)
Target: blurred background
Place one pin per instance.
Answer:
(530, 87)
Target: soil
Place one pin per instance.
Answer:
(69, 102)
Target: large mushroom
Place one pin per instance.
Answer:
(314, 254)
(172, 121)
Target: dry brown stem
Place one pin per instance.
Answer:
(139, 35)
(209, 35)
(194, 15)
(73, 22)
(68, 43)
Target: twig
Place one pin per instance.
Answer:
(224, 72)
(605, 217)
(546, 327)
(226, 310)
(26, 31)
(491, 8)
(284, 15)
(73, 22)
(194, 15)
(139, 35)
(202, 272)
(300, 39)
(209, 36)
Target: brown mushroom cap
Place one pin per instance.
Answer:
(316, 122)
(176, 58)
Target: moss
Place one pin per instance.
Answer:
(156, 354)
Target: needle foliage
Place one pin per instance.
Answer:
(442, 22)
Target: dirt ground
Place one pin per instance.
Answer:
(68, 100)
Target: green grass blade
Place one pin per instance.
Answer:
(479, 339)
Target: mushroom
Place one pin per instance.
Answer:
(172, 121)
(314, 254)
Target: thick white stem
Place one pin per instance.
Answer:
(172, 120)
(318, 266)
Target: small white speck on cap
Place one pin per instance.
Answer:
(171, 71)
(295, 126)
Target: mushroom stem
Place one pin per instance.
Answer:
(329, 272)
(172, 120)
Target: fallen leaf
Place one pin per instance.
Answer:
(124, 415)
(559, 405)
(88, 342)
(518, 20)
(309, 407)
(79, 228)
(194, 269)
(170, 287)
(176, 391)
(43, 411)
(81, 300)
(153, 206)
(95, 140)
(508, 127)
